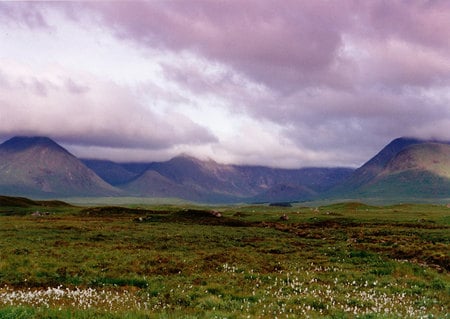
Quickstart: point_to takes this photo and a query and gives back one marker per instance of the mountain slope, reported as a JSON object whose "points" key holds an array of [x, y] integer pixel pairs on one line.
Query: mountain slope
{"points": [[432, 157], [189, 178], [111, 172], [37, 166], [202, 175], [153, 184], [377, 164], [418, 171], [405, 169]]}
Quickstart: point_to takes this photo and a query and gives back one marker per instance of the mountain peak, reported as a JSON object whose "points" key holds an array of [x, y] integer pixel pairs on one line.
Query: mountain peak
{"points": [[406, 168], [186, 158], [394, 147], [20, 143]]}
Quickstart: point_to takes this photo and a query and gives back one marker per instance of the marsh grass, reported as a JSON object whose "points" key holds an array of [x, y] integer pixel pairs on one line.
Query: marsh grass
{"points": [[337, 261]]}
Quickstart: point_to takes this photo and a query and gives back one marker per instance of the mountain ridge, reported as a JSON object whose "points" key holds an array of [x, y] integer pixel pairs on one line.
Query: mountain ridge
{"points": [[195, 179], [222, 181], [38, 166]]}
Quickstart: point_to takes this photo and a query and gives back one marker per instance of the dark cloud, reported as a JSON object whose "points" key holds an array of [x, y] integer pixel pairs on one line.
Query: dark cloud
{"points": [[340, 75], [295, 44], [283, 44], [426, 23]]}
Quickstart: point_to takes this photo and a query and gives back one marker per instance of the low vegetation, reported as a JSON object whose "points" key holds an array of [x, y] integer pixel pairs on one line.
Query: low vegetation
{"points": [[345, 260]]}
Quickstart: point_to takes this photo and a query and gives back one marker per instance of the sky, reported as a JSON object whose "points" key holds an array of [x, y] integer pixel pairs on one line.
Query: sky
{"points": [[277, 83]]}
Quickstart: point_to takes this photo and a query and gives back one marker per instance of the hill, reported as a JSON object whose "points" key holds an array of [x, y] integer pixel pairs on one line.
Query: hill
{"points": [[406, 169], [11, 201], [39, 167]]}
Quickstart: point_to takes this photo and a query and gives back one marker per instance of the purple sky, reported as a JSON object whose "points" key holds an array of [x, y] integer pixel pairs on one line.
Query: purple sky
{"points": [[279, 83]]}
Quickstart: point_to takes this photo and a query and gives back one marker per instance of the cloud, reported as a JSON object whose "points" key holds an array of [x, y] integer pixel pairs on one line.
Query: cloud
{"points": [[290, 44], [337, 76], [28, 15], [81, 109], [287, 83], [277, 44], [425, 23]]}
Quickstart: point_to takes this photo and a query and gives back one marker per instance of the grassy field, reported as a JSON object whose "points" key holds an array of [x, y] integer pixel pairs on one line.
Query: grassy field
{"points": [[338, 261]]}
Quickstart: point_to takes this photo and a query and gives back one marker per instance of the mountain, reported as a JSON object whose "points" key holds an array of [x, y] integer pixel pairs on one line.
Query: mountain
{"points": [[111, 172], [37, 166], [433, 157], [377, 164], [418, 171], [189, 178], [153, 184], [405, 169], [193, 179]]}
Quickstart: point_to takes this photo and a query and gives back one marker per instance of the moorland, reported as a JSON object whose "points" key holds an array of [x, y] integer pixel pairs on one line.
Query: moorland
{"points": [[345, 260]]}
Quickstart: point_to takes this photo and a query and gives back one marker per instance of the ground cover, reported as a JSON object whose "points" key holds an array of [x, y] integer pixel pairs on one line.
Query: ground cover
{"points": [[338, 261]]}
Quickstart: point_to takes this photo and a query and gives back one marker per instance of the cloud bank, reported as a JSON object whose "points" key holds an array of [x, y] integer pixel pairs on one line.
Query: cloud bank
{"points": [[296, 83]]}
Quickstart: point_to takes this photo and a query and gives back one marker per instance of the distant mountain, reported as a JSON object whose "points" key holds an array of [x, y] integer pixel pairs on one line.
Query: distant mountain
{"points": [[189, 178], [111, 172], [193, 179], [153, 184], [37, 166], [405, 169]]}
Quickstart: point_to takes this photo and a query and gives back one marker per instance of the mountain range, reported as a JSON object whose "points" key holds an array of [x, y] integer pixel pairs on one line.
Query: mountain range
{"points": [[208, 181], [406, 168]]}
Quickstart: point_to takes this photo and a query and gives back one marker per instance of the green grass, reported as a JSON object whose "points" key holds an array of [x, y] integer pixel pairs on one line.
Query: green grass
{"points": [[337, 261]]}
